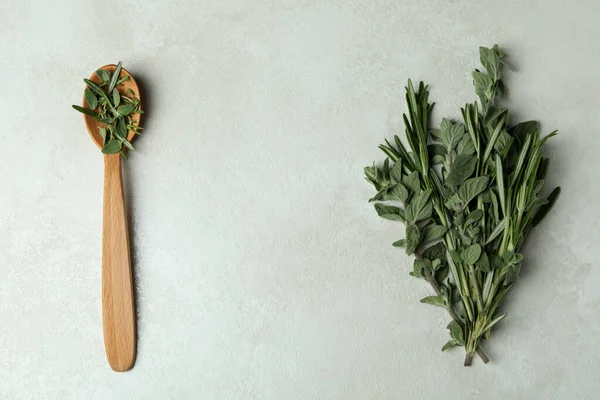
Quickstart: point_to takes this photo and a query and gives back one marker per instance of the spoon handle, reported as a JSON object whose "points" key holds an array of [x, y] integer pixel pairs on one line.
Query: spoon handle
{"points": [[117, 285]]}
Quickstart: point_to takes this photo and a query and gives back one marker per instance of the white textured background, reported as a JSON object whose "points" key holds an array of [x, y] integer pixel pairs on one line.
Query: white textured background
{"points": [[261, 270]]}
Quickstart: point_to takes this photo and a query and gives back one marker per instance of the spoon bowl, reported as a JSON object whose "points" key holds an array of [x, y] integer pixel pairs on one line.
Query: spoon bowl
{"points": [[91, 124]]}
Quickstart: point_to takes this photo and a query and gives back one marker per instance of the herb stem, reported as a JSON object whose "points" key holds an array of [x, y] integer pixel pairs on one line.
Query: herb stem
{"points": [[436, 288], [476, 289]]}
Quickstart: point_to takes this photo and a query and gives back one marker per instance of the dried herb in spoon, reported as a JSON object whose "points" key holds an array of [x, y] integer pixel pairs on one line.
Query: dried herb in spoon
{"points": [[116, 110], [469, 194]]}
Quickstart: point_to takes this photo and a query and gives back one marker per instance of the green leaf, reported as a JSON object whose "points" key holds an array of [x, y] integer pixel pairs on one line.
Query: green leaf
{"points": [[437, 251], [413, 238], [128, 144], [86, 111], [496, 262], [500, 182], [417, 270], [386, 169], [396, 172], [434, 300], [462, 168], [456, 332], [465, 146], [389, 212], [494, 322], [442, 273], [472, 187], [450, 134], [420, 207], [433, 232], [90, 99], [121, 131], [399, 243], [454, 202], [107, 121], [490, 61], [524, 129], [449, 344], [398, 192], [436, 150], [423, 265], [483, 84], [503, 143], [128, 109], [471, 254], [474, 216], [493, 113], [98, 90], [497, 231], [112, 147], [484, 263], [103, 75], [115, 78], [371, 175], [411, 182], [116, 98]]}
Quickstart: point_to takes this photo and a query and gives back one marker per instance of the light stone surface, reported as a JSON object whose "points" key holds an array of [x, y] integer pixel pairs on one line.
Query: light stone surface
{"points": [[261, 270]]}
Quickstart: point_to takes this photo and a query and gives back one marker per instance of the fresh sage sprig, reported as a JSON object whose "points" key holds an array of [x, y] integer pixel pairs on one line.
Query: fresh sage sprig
{"points": [[469, 194], [117, 111]]}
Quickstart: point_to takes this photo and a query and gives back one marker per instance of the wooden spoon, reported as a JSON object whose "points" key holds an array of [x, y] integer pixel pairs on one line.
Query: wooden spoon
{"points": [[117, 284]]}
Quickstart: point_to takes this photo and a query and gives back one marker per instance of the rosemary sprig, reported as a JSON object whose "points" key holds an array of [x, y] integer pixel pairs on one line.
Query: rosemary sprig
{"points": [[469, 195], [115, 110]]}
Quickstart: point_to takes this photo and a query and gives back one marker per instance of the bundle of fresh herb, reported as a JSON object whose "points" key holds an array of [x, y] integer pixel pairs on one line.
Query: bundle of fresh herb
{"points": [[113, 108], [469, 195]]}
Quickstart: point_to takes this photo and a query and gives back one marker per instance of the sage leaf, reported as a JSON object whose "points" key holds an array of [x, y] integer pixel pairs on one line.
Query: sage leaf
{"points": [[396, 172], [126, 109], [398, 192], [389, 212], [115, 78], [86, 111], [483, 84], [90, 99], [465, 147], [433, 232], [411, 182], [121, 131], [463, 168], [399, 243], [497, 230], [413, 238], [437, 251], [116, 98], [490, 61], [434, 300], [103, 75], [112, 147], [474, 216], [471, 254], [483, 264], [449, 344], [420, 207], [456, 332], [472, 187], [494, 322]]}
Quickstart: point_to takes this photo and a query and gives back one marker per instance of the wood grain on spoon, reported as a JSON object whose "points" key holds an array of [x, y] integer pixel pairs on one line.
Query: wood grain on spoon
{"points": [[118, 313]]}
